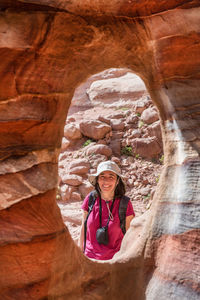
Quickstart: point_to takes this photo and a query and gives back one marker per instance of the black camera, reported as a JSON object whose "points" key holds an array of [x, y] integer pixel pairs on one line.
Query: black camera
{"points": [[102, 235]]}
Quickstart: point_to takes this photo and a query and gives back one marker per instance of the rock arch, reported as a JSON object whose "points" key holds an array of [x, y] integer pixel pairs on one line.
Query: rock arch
{"points": [[47, 49]]}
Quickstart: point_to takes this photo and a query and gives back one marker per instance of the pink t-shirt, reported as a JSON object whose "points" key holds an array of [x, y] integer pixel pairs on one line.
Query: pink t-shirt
{"points": [[93, 248]]}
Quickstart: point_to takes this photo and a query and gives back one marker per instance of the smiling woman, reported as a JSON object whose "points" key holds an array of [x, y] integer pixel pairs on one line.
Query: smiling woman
{"points": [[104, 213]]}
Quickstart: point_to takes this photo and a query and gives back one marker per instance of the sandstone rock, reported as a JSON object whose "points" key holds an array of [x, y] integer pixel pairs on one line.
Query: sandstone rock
{"points": [[133, 177], [102, 142], [116, 115], [116, 160], [155, 130], [136, 133], [27, 183], [47, 49], [149, 115], [95, 159], [141, 105], [94, 129], [79, 163], [12, 165], [80, 101], [75, 196], [70, 120], [146, 147], [117, 135], [103, 91], [79, 170], [104, 119], [99, 149], [145, 191], [115, 146], [130, 182], [66, 192], [145, 181], [85, 189], [65, 144], [71, 131], [136, 184], [132, 119], [63, 156], [117, 124], [73, 180]]}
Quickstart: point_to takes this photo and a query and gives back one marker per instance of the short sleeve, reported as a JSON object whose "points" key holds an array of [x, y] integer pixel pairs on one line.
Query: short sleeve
{"points": [[130, 211], [84, 206]]}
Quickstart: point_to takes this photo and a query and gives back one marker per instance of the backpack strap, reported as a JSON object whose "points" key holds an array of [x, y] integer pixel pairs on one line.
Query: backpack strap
{"points": [[122, 212], [91, 202]]}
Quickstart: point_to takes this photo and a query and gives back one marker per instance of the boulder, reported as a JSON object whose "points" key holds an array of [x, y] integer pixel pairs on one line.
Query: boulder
{"points": [[117, 124], [155, 130], [132, 119], [150, 115], [146, 147], [66, 191], [80, 170], [128, 86], [94, 129], [75, 197], [145, 191], [79, 163], [116, 115], [104, 119], [117, 135], [115, 146], [73, 180], [141, 105], [72, 131], [65, 144], [85, 189], [99, 149], [135, 133]]}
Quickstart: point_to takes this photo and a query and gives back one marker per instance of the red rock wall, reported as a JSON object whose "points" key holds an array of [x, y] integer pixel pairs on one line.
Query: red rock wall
{"points": [[47, 48]]}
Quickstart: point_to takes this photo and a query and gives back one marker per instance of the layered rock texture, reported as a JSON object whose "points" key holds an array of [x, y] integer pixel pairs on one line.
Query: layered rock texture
{"points": [[47, 49]]}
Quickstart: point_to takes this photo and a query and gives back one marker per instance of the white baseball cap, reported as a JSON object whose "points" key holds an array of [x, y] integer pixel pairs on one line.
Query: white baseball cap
{"points": [[105, 166]]}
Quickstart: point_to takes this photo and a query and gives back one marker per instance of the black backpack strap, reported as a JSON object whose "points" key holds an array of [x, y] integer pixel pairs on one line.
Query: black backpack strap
{"points": [[91, 202], [122, 212]]}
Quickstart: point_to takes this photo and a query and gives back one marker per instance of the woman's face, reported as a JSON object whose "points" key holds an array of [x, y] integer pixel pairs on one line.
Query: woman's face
{"points": [[107, 181]]}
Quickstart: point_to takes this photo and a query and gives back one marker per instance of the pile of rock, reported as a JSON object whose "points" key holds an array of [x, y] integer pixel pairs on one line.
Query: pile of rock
{"points": [[127, 137]]}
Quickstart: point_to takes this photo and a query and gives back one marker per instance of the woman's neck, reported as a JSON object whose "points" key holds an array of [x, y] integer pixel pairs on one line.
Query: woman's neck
{"points": [[107, 196]]}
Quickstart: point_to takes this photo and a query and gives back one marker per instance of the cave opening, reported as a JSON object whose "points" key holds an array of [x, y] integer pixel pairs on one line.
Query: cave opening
{"points": [[117, 98]]}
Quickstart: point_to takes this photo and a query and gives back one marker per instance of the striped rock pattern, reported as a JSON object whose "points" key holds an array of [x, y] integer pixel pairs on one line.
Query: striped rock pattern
{"points": [[47, 49]]}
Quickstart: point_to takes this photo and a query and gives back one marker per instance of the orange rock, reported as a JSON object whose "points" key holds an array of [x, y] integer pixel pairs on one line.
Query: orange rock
{"points": [[47, 49]]}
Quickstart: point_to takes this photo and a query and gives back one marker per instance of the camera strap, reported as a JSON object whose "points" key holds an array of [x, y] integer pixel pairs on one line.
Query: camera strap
{"points": [[100, 212]]}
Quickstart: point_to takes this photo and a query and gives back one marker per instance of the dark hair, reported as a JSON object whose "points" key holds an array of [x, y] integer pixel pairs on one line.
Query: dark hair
{"points": [[119, 190]]}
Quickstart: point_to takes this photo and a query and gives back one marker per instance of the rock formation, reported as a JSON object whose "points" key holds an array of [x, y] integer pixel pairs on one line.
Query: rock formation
{"points": [[47, 49]]}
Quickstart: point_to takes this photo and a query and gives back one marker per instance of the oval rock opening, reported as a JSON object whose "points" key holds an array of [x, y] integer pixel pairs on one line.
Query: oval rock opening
{"points": [[111, 117]]}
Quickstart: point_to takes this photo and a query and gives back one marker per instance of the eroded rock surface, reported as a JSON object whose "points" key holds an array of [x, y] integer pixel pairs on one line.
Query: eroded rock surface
{"points": [[47, 49]]}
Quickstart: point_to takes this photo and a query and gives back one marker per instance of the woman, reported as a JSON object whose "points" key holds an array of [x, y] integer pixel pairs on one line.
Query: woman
{"points": [[110, 189]]}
